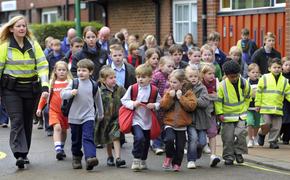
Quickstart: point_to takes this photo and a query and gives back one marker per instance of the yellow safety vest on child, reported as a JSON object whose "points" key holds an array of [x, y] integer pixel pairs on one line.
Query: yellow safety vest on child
{"points": [[228, 104]]}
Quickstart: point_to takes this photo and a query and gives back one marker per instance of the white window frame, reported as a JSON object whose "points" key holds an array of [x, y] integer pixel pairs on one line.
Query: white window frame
{"points": [[190, 21], [49, 12], [231, 7]]}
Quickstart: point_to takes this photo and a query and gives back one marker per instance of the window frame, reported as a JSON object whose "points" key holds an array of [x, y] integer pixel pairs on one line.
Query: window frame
{"points": [[274, 5], [49, 12], [190, 20]]}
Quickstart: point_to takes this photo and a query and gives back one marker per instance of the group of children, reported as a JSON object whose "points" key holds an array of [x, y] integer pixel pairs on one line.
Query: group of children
{"points": [[192, 97]]}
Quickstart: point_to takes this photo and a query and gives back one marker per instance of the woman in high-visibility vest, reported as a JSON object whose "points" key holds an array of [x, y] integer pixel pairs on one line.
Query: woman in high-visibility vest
{"points": [[24, 75]]}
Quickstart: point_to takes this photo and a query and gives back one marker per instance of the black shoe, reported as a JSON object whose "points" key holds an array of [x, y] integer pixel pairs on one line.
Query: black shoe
{"points": [[229, 162], [91, 163], [26, 160], [274, 145], [77, 162], [59, 156], [239, 158], [99, 146], [261, 139], [35, 121], [49, 133], [120, 163], [286, 142], [40, 126], [110, 161], [20, 163], [4, 125]]}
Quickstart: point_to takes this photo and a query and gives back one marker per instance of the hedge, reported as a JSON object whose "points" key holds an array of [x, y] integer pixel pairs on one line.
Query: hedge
{"points": [[57, 30]]}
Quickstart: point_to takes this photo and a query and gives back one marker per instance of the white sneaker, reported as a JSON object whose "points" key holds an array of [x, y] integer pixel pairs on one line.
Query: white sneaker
{"points": [[191, 165], [214, 160], [158, 151], [250, 143], [256, 141], [206, 149], [143, 165], [136, 164]]}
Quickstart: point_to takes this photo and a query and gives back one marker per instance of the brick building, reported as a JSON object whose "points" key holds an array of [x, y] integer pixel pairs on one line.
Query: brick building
{"points": [[178, 17]]}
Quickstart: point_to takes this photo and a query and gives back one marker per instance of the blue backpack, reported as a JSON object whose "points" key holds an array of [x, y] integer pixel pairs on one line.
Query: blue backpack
{"points": [[66, 103]]}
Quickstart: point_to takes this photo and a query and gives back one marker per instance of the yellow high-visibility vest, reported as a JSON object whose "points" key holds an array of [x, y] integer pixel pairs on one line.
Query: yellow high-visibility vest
{"points": [[270, 95], [228, 104], [21, 65]]}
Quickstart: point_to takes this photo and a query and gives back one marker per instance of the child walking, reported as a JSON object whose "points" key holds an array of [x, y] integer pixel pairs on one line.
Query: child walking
{"points": [[234, 94], [82, 115], [59, 80], [142, 115], [177, 104], [273, 87], [196, 131], [107, 130], [211, 82], [253, 117], [160, 80]]}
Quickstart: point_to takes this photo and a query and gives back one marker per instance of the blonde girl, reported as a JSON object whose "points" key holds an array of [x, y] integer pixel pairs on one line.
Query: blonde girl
{"points": [[207, 56], [152, 56], [210, 82], [107, 130], [59, 80], [177, 104]]}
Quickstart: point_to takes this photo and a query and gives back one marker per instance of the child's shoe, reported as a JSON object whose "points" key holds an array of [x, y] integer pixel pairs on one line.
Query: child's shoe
{"points": [[60, 155], [110, 161], [214, 160], [120, 163], [20, 163], [136, 165], [256, 141], [91, 163], [274, 145], [261, 139], [206, 149], [191, 165], [143, 165], [239, 158], [158, 151], [167, 163], [250, 143], [77, 162], [176, 168]]}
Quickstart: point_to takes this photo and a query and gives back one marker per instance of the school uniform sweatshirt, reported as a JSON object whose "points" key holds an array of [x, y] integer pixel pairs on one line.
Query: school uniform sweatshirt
{"points": [[84, 103]]}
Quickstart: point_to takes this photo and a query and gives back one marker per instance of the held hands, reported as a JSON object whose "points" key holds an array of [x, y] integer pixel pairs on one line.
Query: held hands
{"points": [[38, 113], [74, 92], [178, 94], [150, 106], [221, 118], [44, 95], [136, 104], [258, 109]]}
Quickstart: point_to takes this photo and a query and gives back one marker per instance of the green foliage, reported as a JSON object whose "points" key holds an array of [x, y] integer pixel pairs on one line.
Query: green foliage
{"points": [[57, 30]]}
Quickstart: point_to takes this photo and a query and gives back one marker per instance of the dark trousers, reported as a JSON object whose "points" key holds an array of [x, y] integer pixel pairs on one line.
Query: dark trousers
{"points": [[285, 132], [3, 115], [46, 119], [83, 135], [174, 145], [141, 142], [20, 106]]}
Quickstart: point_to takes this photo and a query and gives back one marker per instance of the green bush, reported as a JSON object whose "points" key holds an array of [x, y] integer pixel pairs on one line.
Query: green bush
{"points": [[57, 30]]}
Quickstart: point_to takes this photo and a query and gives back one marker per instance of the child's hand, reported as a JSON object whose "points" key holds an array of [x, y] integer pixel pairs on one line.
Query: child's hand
{"points": [[258, 109], [150, 106], [214, 94], [172, 93], [38, 113], [178, 93], [74, 92], [44, 95], [136, 104], [221, 118]]}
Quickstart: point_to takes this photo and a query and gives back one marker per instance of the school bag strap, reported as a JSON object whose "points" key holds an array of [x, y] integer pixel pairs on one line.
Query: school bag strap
{"points": [[66, 103], [153, 93]]}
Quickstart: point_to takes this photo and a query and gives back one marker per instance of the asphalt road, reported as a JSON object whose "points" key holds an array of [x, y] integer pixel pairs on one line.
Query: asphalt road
{"points": [[44, 166]]}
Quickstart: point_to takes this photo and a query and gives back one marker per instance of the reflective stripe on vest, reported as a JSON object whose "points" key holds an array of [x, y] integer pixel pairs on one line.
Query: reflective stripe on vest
{"points": [[235, 116], [226, 91], [271, 108], [227, 103], [274, 91]]}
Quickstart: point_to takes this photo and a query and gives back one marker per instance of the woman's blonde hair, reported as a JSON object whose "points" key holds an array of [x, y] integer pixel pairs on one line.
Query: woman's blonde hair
{"points": [[53, 74], [206, 67], [5, 29], [105, 72]]}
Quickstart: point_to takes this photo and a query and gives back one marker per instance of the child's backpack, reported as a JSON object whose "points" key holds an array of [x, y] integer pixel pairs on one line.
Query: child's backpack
{"points": [[126, 115], [66, 103]]}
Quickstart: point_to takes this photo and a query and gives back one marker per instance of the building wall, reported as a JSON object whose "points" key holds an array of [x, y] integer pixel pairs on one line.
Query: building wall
{"points": [[287, 44]]}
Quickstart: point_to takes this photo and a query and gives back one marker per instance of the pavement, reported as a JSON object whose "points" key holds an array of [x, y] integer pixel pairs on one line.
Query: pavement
{"points": [[274, 158]]}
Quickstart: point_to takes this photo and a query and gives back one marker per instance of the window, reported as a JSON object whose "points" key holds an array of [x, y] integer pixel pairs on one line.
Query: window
{"points": [[49, 16], [184, 19], [248, 4]]}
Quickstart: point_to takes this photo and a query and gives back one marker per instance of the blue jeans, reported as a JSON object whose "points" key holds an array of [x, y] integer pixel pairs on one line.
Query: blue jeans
{"points": [[3, 115], [196, 142], [141, 142], [83, 135], [158, 143]]}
